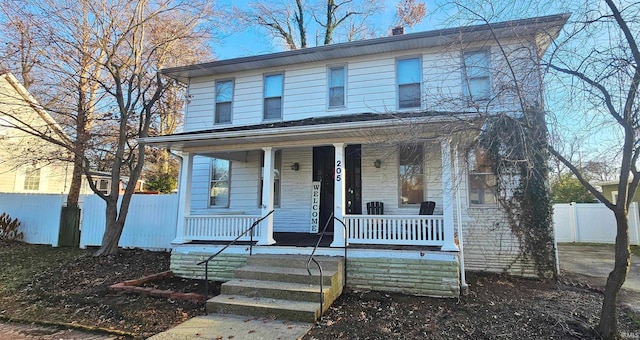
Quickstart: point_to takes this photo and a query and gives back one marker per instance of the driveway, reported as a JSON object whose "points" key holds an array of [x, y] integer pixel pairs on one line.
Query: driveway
{"points": [[595, 262]]}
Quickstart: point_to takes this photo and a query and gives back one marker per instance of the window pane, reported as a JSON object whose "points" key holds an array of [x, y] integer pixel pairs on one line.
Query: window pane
{"points": [[336, 96], [219, 194], [224, 91], [479, 88], [32, 179], [409, 71], [273, 86], [272, 108], [223, 112], [336, 77], [220, 170], [411, 174], [482, 189], [477, 64], [409, 95]]}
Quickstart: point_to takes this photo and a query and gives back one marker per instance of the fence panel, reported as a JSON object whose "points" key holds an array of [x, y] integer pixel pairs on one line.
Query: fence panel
{"points": [[150, 224], [39, 215], [591, 223]]}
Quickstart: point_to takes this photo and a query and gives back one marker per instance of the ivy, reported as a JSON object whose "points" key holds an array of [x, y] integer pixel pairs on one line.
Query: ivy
{"points": [[516, 149]]}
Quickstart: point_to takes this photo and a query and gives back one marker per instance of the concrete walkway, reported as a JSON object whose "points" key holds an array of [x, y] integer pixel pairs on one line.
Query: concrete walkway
{"points": [[219, 326]]}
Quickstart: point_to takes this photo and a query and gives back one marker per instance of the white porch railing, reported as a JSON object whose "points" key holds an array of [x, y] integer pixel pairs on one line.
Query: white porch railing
{"points": [[425, 230], [219, 227]]}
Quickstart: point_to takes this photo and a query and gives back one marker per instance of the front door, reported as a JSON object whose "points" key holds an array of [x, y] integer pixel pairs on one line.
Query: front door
{"points": [[323, 158]]}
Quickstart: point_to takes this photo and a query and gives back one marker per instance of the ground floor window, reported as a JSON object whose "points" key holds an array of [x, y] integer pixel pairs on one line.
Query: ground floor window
{"points": [[219, 194], [482, 181], [277, 166], [411, 170]]}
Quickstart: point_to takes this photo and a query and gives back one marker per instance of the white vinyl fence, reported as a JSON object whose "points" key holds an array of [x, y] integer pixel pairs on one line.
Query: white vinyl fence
{"points": [[39, 215], [150, 223], [591, 223]]}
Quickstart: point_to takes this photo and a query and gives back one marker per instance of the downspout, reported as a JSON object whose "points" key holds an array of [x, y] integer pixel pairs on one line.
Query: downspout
{"points": [[464, 287]]}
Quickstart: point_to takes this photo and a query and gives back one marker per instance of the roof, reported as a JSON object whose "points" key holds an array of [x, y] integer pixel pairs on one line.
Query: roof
{"points": [[544, 28]]}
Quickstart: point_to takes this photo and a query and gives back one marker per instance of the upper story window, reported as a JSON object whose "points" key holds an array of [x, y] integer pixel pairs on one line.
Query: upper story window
{"points": [[219, 194], [409, 79], [411, 174], [273, 87], [477, 81], [224, 99], [32, 179], [482, 180], [336, 86]]}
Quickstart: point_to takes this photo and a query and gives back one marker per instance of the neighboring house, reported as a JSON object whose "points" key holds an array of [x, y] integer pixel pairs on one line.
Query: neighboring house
{"points": [[28, 164], [326, 130], [610, 190]]}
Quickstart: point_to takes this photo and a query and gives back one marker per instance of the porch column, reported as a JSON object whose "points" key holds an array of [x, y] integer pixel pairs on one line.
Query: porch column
{"points": [[266, 226], [447, 197], [184, 196], [338, 195]]}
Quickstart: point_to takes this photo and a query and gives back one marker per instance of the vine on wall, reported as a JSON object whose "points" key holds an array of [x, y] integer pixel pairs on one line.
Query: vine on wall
{"points": [[516, 151]]}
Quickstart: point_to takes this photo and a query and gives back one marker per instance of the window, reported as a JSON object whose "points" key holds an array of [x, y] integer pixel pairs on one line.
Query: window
{"points": [[224, 98], [219, 196], [409, 74], [411, 174], [336, 86], [277, 166], [477, 84], [32, 179], [103, 185], [273, 96], [482, 181]]}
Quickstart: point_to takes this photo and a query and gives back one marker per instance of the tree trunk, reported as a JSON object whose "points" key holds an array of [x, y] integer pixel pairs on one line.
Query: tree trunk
{"points": [[608, 326], [113, 229], [76, 182]]}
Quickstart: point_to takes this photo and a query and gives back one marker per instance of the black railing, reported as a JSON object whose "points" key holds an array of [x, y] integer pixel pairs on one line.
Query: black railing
{"points": [[206, 262], [312, 259]]}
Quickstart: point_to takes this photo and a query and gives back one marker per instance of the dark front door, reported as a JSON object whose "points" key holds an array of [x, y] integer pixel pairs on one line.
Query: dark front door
{"points": [[323, 157], [353, 179]]}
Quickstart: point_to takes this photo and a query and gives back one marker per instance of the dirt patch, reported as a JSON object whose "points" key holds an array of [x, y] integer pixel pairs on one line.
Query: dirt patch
{"points": [[66, 285]]}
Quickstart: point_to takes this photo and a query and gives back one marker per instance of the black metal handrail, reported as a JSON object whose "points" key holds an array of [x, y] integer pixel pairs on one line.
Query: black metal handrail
{"points": [[313, 252], [206, 262]]}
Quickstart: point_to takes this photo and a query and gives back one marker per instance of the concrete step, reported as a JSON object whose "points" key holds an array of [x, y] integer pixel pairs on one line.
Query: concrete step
{"points": [[275, 290], [264, 307], [283, 274], [296, 261]]}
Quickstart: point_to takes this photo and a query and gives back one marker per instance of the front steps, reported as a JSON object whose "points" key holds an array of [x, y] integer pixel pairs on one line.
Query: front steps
{"points": [[279, 286]]}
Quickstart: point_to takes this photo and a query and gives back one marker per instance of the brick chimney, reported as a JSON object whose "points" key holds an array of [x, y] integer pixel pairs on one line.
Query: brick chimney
{"points": [[398, 30]]}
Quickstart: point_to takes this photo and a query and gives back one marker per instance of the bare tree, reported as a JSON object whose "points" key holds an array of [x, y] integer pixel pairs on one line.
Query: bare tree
{"points": [[594, 68], [410, 12]]}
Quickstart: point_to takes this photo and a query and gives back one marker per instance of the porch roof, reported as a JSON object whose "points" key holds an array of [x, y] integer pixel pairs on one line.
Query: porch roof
{"points": [[309, 130]]}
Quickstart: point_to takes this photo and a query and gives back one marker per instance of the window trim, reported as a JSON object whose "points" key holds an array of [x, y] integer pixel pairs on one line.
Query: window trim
{"points": [[264, 96], [465, 81], [421, 71], [344, 87], [209, 206], [215, 106], [424, 176], [27, 171]]}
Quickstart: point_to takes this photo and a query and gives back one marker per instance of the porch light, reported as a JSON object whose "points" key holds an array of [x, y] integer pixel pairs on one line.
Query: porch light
{"points": [[377, 163], [295, 166]]}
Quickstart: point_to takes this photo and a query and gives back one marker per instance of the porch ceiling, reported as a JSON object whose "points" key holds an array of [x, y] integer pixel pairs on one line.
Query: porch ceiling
{"points": [[379, 129]]}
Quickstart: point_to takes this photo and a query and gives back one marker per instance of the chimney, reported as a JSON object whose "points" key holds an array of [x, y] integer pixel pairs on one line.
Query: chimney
{"points": [[398, 30]]}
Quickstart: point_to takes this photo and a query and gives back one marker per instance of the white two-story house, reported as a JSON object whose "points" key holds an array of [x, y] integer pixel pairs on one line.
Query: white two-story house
{"points": [[366, 132]]}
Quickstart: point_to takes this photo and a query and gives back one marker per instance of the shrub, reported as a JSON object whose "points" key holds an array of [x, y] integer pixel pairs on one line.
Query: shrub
{"points": [[9, 228]]}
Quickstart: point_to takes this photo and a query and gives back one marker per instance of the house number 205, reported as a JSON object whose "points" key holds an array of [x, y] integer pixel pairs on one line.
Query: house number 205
{"points": [[338, 171]]}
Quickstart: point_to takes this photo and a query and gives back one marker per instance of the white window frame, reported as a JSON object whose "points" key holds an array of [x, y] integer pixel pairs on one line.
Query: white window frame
{"points": [[418, 82], [467, 80], [27, 185], [216, 119], [422, 174], [265, 97], [344, 86], [211, 181], [277, 179]]}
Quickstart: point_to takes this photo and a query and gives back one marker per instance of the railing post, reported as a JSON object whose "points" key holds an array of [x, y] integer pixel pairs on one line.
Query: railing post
{"points": [[184, 197], [266, 233], [338, 194], [447, 197]]}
